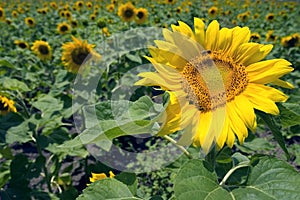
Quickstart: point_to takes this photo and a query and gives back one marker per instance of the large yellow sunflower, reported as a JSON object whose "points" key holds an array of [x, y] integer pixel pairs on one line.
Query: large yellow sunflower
{"points": [[215, 79], [126, 12], [6, 105], [76, 53], [42, 49]]}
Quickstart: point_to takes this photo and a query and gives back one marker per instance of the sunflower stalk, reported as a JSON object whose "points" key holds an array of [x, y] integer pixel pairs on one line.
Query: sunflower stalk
{"points": [[178, 146]]}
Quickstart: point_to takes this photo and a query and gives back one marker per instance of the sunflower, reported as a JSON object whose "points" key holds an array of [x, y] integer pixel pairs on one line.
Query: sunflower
{"points": [[96, 177], [243, 16], [89, 5], [74, 23], [8, 21], [141, 15], [68, 14], [21, 44], [213, 11], [75, 53], [14, 14], [2, 13], [110, 7], [53, 5], [63, 28], [270, 17], [178, 10], [105, 31], [170, 1], [29, 21], [79, 4], [270, 37], [255, 37], [92, 17], [42, 49], [215, 79], [126, 12], [291, 41], [6, 105]]}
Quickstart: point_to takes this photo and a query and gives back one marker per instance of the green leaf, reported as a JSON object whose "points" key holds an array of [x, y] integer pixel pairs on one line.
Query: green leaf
{"points": [[14, 84], [194, 181], [289, 114], [18, 133], [134, 58], [4, 172], [275, 131], [48, 104], [7, 64], [105, 189], [270, 179]]}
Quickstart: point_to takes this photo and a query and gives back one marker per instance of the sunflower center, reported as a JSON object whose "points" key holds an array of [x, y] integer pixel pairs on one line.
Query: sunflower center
{"points": [[79, 55], [43, 50], [2, 107], [22, 45], [1, 13], [128, 13], [30, 21], [64, 28], [211, 79], [140, 15]]}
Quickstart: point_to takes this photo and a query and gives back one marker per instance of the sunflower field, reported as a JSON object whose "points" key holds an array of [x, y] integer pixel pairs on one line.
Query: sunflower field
{"points": [[157, 99]]}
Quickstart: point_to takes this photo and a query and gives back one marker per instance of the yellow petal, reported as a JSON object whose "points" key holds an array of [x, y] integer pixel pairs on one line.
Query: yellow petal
{"points": [[199, 31], [245, 111], [283, 84], [268, 71], [212, 35]]}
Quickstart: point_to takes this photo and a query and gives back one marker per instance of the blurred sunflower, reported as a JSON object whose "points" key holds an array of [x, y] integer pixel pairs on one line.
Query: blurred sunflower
{"points": [[8, 21], [96, 176], [255, 37], [105, 31], [213, 11], [21, 44], [74, 23], [243, 16], [75, 53], [6, 105], [270, 37], [126, 12], [89, 5], [92, 17], [110, 7], [42, 49], [270, 17], [141, 15], [53, 5], [14, 14], [170, 1], [291, 41], [215, 79], [178, 10], [63, 28], [255, 16], [29, 21], [79, 4], [2, 14], [68, 14]]}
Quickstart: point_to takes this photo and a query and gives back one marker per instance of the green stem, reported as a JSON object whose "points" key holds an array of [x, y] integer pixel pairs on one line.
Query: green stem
{"points": [[178, 146], [230, 172]]}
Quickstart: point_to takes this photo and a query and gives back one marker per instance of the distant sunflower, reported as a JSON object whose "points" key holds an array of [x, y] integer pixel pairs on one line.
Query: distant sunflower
{"points": [[170, 1], [110, 7], [21, 44], [255, 16], [8, 21], [255, 37], [126, 12], [29, 21], [270, 37], [270, 17], [74, 23], [243, 16], [53, 5], [178, 10], [14, 14], [215, 79], [6, 105], [79, 4], [92, 16], [75, 53], [68, 14], [2, 13], [291, 41], [105, 31], [89, 5], [42, 49], [63, 28], [213, 11], [141, 15]]}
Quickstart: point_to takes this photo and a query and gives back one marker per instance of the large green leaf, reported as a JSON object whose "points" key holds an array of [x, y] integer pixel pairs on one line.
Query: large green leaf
{"points": [[48, 104], [194, 181], [14, 84], [270, 179], [106, 189]]}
